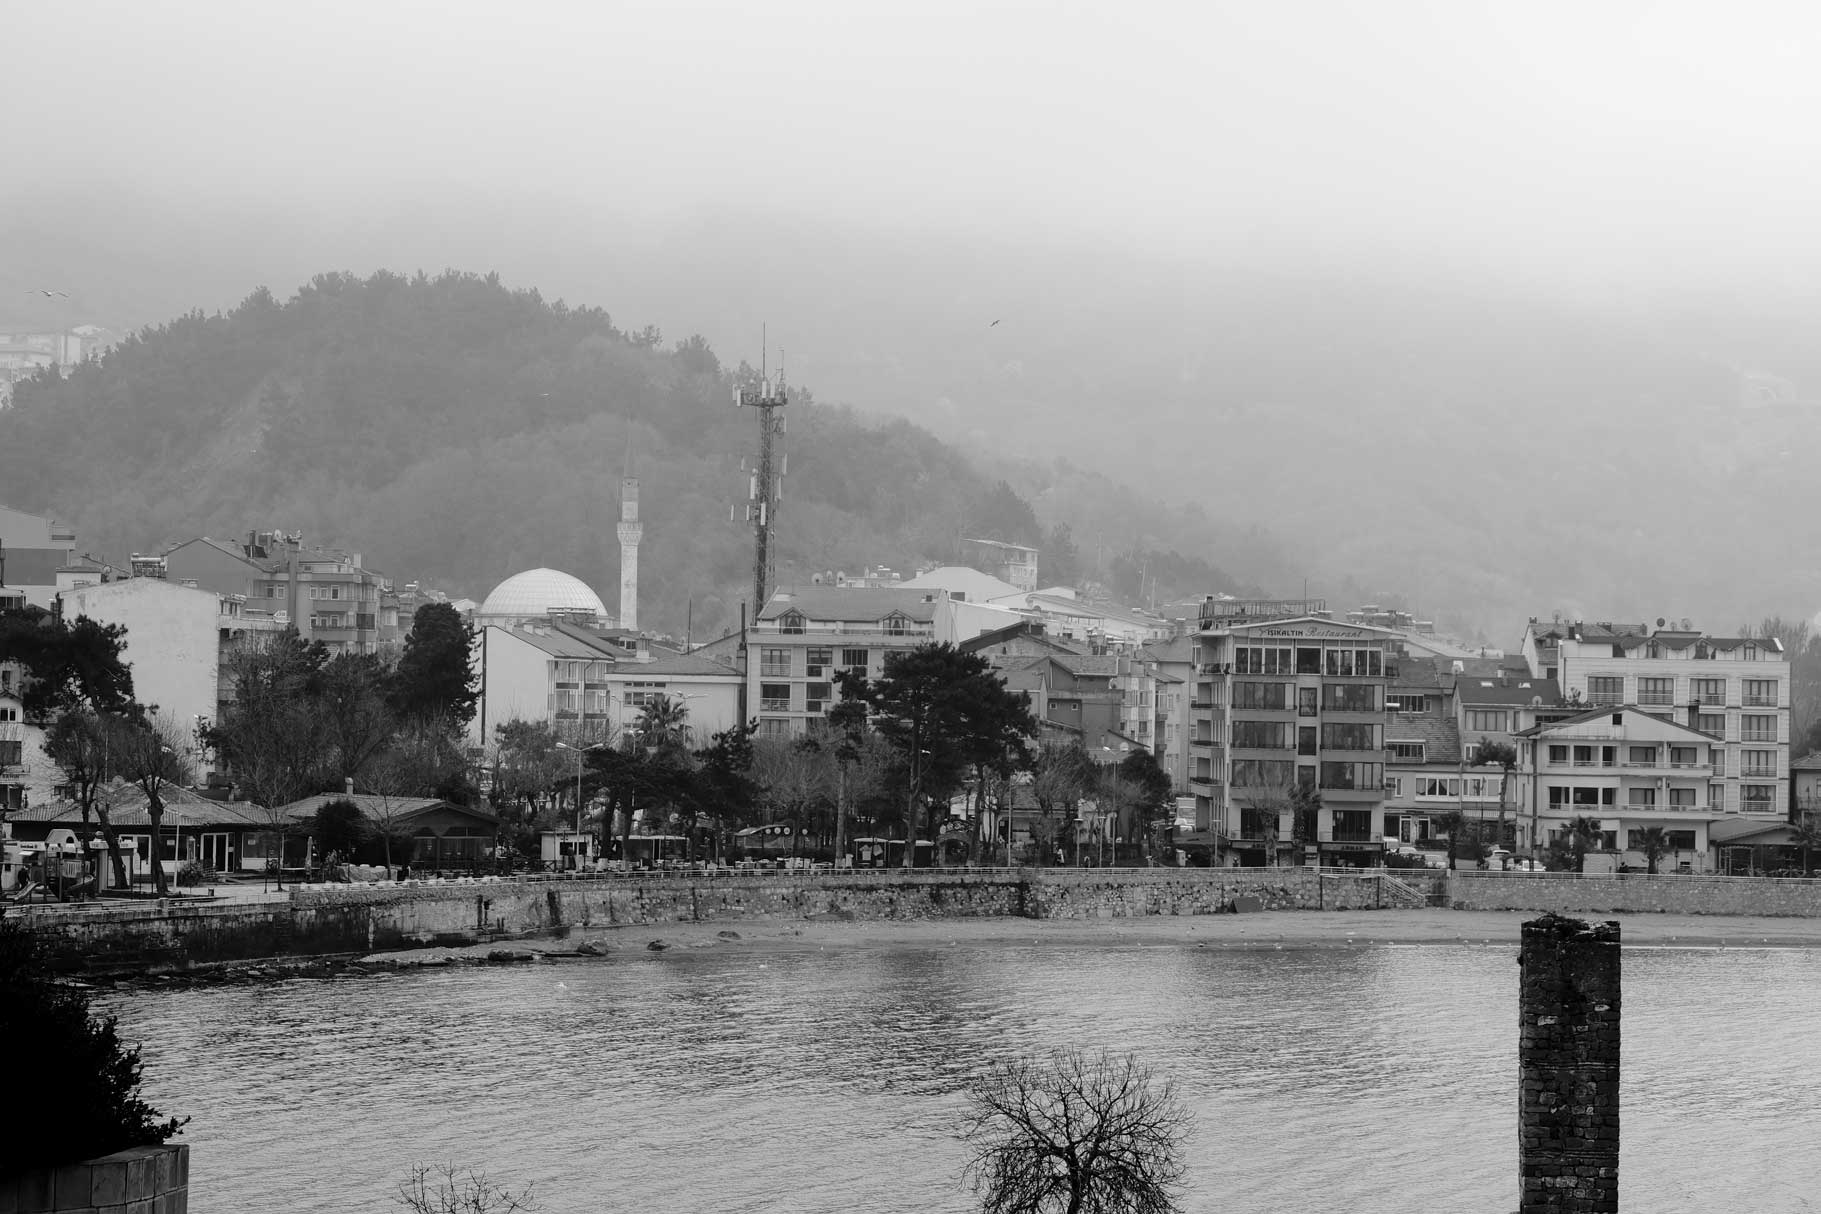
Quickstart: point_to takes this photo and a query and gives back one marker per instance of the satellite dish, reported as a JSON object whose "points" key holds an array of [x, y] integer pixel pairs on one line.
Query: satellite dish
{"points": [[1688, 625], [1661, 621], [281, 617]]}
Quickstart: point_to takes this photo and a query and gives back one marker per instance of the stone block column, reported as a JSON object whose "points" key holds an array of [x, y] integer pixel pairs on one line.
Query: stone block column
{"points": [[1568, 1067]]}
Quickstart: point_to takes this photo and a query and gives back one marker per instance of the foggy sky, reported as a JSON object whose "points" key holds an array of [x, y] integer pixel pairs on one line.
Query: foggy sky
{"points": [[1599, 144]]}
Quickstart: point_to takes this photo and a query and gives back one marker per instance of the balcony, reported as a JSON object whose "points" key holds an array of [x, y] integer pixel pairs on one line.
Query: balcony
{"points": [[1602, 699], [1656, 699], [774, 670], [1761, 702], [780, 705], [1709, 699]]}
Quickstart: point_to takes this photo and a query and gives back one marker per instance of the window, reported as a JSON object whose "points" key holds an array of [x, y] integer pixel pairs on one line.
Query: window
{"points": [[1656, 691], [1583, 756], [1758, 763], [1352, 825], [1683, 756], [1404, 752], [9, 714], [1263, 773], [335, 592], [1642, 798], [1642, 756], [1411, 705], [1707, 691], [1355, 663], [1262, 735], [1758, 798], [854, 659], [1558, 796], [774, 663], [1485, 720], [1308, 661], [12, 753], [773, 727], [1263, 659], [1716, 797], [1349, 737], [819, 661], [1606, 689], [895, 626], [1305, 740], [1719, 754], [1353, 775], [1558, 754], [1471, 752], [1394, 786], [1349, 697], [816, 697], [1682, 798], [774, 697], [1257, 823], [1307, 699], [790, 621], [1712, 724], [1438, 786], [1757, 727], [1260, 695], [1760, 693]]}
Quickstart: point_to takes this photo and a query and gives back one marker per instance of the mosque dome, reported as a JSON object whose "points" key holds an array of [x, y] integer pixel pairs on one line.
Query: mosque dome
{"points": [[539, 593]]}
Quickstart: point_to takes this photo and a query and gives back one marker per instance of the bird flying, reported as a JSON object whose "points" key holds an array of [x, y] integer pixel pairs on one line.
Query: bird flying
{"points": [[994, 323], [48, 294]]}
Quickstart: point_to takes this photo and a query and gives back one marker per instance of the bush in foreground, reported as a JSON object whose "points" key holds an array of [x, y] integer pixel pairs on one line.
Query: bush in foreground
{"points": [[72, 1061]]}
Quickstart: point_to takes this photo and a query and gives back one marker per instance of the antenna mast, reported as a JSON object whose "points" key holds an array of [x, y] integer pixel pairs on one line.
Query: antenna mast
{"points": [[767, 485]]}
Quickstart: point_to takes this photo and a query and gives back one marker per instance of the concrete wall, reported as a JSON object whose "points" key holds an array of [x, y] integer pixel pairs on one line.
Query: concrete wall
{"points": [[172, 642], [363, 918], [143, 1180], [1567, 893]]}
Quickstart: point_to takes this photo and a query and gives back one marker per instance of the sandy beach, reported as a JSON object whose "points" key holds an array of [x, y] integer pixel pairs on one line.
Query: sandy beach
{"points": [[1270, 929]]}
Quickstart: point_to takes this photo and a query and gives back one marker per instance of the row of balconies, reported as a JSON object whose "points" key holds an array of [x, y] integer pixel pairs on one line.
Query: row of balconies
{"points": [[1664, 699]]}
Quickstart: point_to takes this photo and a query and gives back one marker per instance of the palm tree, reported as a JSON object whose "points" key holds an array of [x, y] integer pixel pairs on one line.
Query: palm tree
{"points": [[664, 725], [1584, 832], [1653, 841]]}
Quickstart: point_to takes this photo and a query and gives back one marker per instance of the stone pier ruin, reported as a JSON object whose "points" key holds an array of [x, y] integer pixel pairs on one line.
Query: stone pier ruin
{"points": [[1568, 1067]]}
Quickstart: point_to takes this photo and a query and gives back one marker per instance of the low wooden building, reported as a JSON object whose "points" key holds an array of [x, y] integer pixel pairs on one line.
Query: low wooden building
{"points": [[442, 834]]}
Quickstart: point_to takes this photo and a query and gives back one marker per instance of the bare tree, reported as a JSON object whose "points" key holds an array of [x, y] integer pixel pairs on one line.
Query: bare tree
{"points": [[1075, 1134], [151, 756], [80, 743], [452, 1190]]}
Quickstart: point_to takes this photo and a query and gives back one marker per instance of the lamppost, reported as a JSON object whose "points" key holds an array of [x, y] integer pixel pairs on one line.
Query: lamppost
{"points": [[578, 751]]}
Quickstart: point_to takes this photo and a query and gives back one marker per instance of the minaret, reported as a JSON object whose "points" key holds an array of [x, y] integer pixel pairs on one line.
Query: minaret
{"points": [[630, 530]]}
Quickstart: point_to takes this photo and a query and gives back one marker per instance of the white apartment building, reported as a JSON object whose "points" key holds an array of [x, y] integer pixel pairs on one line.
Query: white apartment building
{"points": [[1628, 770], [1733, 690]]}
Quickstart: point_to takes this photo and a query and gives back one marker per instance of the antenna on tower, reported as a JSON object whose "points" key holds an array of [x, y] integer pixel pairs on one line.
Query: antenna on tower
{"points": [[765, 482]]}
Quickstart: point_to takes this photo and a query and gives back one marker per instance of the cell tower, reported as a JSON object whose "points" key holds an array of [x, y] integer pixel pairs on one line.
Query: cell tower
{"points": [[767, 483]]}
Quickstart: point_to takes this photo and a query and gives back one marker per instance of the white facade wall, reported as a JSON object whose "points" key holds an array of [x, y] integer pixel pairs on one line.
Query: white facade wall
{"points": [[515, 683], [172, 642]]}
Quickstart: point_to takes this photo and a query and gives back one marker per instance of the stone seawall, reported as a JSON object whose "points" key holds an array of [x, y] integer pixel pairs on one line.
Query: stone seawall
{"points": [[1635, 893], [328, 919]]}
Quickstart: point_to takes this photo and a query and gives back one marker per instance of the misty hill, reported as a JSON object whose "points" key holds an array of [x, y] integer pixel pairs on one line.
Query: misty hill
{"points": [[456, 431]]}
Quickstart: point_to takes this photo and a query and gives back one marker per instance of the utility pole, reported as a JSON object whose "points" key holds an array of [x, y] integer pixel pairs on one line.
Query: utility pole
{"points": [[767, 479]]}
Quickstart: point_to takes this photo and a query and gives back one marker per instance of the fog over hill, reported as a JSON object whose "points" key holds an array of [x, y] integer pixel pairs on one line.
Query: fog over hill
{"points": [[1493, 313]]}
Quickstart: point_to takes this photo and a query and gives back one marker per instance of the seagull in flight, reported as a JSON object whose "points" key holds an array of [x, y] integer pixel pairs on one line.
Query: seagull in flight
{"points": [[49, 294], [994, 323]]}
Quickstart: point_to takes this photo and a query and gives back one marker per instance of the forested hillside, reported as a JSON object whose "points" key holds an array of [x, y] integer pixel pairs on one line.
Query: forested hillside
{"points": [[456, 431]]}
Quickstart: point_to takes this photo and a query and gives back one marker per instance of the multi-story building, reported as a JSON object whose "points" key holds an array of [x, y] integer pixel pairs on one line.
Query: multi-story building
{"points": [[805, 634], [1734, 690], [1440, 716], [327, 594], [1627, 770], [1281, 705]]}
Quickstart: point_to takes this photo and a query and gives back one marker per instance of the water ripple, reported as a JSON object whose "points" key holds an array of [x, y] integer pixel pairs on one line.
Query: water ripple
{"points": [[1341, 1080]]}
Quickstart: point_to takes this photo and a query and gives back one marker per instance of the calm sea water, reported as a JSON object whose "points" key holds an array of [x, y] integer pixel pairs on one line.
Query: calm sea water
{"points": [[1349, 1080]]}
